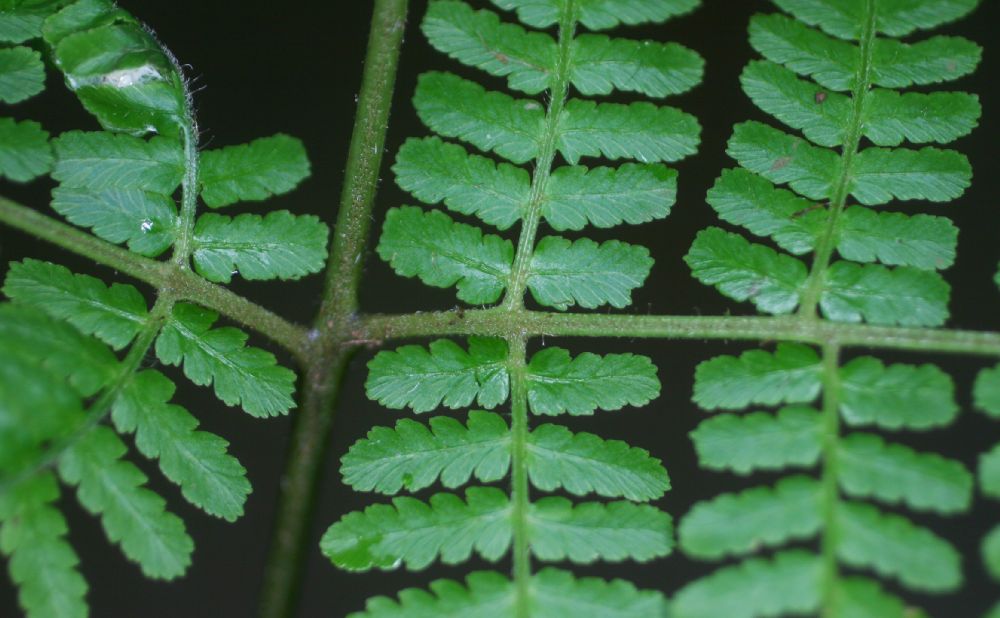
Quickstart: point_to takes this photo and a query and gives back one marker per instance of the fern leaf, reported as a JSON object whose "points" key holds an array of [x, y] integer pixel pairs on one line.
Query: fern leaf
{"points": [[910, 396], [787, 584], [582, 463], [745, 199], [22, 74], [919, 117], [25, 153], [455, 107], [790, 375], [582, 272], [762, 516], [857, 597], [146, 221], [23, 21], [443, 374], [832, 63], [879, 295], [443, 253], [845, 19], [746, 271], [100, 161], [80, 15], [641, 131], [435, 171], [240, 375], [412, 456], [416, 533], [937, 59], [893, 546], [558, 384], [785, 159], [599, 14], [480, 39], [132, 515], [583, 533], [209, 477], [42, 563], [82, 361], [252, 172], [869, 467], [986, 392], [933, 174], [485, 594], [279, 245], [633, 193], [602, 65], [989, 472], [922, 241], [113, 314], [991, 554], [759, 441]]}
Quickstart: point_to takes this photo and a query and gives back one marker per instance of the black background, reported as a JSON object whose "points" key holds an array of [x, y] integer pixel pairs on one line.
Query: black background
{"points": [[263, 67]]}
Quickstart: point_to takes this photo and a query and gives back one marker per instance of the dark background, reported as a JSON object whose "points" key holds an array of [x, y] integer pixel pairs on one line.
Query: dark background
{"points": [[262, 67]]}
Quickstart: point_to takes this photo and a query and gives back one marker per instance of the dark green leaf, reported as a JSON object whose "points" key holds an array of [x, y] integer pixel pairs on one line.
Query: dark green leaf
{"points": [[252, 172]]}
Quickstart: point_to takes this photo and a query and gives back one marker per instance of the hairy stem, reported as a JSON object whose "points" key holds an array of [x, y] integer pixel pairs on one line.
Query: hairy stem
{"points": [[831, 490], [828, 241], [331, 344], [520, 491]]}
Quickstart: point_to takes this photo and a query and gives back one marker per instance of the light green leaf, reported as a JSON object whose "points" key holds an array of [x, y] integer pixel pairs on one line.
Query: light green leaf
{"points": [[989, 472], [744, 198], [101, 160], [639, 131], [879, 295], [602, 64], [792, 374], [582, 272], [146, 221], [42, 563], [582, 463], [113, 314], [921, 241], [759, 441], [938, 59], [846, 18], [412, 457], [897, 396], [599, 14], [558, 384], [867, 466], [415, 533], [21, 20], [744, 271], [443, 374], [860, 598], [986, 392], [240, 375], [890, 117], [435, 171], [485, 594], [822, 116], [583, 533], [831, 62], [210, 478], [991, 556], [279, 245], [790, 583], [252, 172], [132, 515], [880, 175], [480, 39], [760, 517], [25, 153], [81, 15], [22, 74], [605, 196], [784, 158], [444, 253], [895, 547], [455, 107]]}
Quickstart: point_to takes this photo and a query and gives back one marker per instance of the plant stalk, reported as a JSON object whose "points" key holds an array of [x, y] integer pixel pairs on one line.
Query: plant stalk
{"points": [[330, 344]]}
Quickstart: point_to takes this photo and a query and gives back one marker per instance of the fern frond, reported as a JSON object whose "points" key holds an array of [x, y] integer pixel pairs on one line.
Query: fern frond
{"points": [[22, 74], [559, 384], [633, 193], [25, 153], [897, 396], [240, 375], [790, 375], [100, 161], [760, 441], [252, 172], [146, 221], [582, 272]]}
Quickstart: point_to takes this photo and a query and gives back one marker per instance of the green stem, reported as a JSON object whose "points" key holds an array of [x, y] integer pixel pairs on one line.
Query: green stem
{"points": [[373, 329], [838, 200], [331, 344], [543, 165], [831, 490], [520, 490], [182, 284]]}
